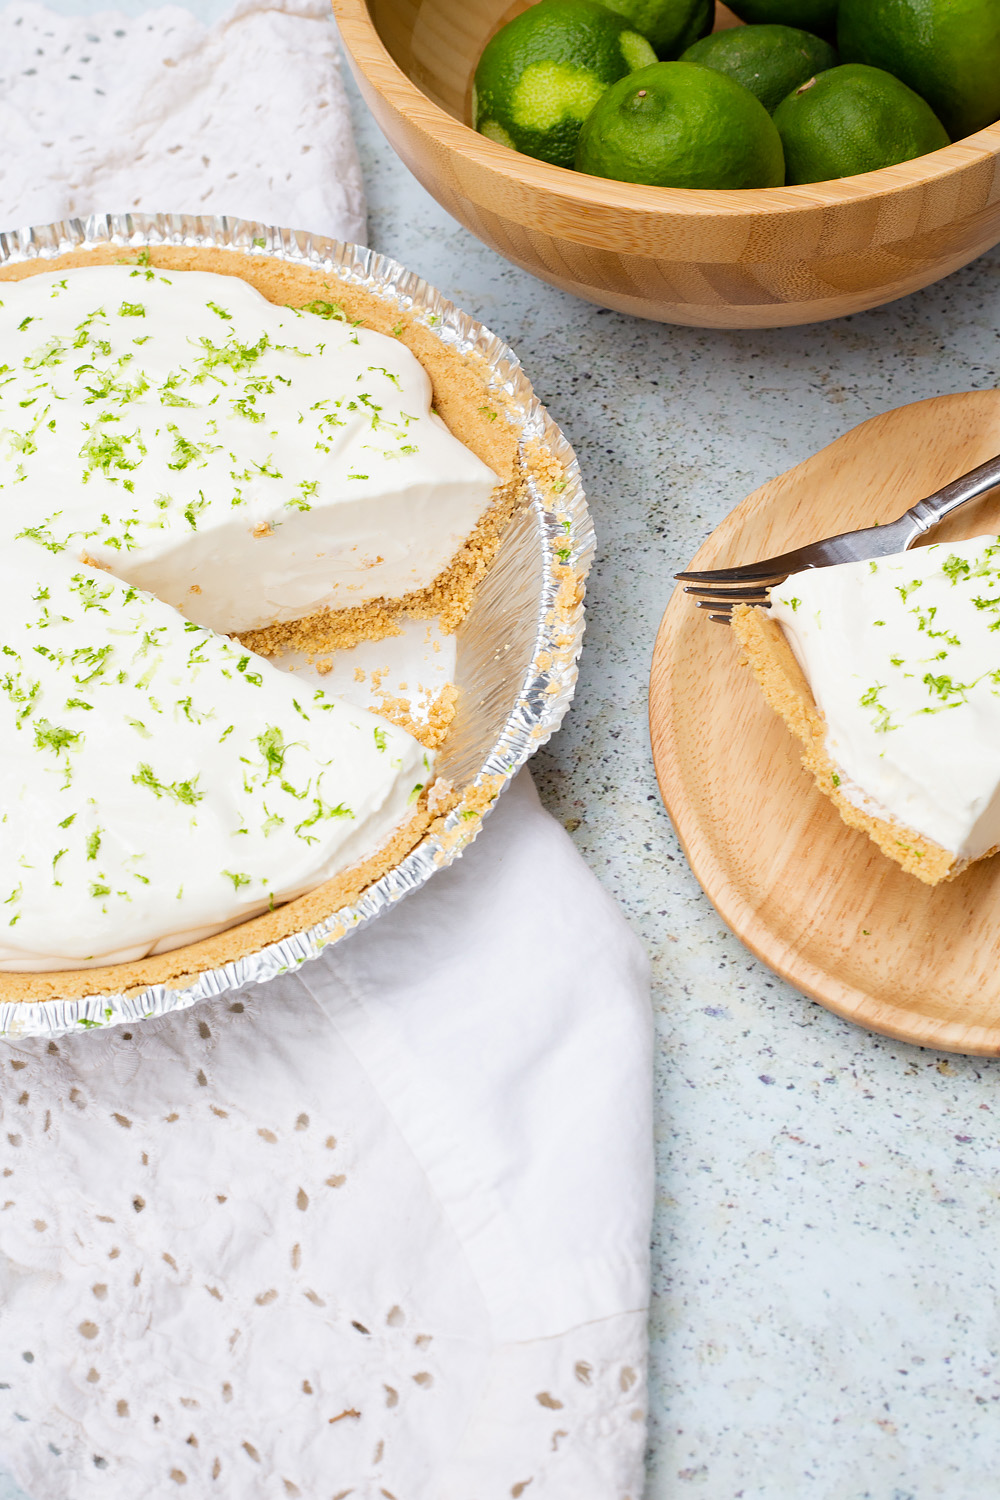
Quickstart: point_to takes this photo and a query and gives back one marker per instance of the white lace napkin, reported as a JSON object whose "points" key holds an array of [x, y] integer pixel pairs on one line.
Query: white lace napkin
{"points": [[105, 113], [378, 1229]]}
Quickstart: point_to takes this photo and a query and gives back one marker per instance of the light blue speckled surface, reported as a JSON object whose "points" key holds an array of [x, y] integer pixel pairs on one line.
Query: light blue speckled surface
{"points": [[825, 1289]]}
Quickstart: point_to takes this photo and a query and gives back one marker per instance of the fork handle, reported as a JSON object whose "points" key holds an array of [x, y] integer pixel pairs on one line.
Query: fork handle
{"points": [[928, 512]]}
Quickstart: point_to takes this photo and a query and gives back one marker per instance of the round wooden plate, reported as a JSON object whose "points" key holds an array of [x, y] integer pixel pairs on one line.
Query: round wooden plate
{"points": [[812, 898]]}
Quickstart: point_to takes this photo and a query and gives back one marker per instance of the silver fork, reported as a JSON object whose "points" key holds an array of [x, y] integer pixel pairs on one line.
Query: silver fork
{"points": [[723, 588]]}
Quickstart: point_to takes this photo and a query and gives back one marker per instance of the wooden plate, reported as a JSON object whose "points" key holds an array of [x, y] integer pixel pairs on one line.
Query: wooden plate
{"points": [[812, 898]]}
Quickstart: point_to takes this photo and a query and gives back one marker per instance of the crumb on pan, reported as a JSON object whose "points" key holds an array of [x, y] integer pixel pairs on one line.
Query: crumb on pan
{"points": [[432, 731]]}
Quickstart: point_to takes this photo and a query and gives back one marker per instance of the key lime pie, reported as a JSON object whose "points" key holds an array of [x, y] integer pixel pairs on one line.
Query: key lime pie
{"points": [[888, 672], [201, 469]]}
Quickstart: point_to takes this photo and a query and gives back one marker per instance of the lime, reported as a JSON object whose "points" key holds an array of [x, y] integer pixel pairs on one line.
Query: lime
{"points": [[541, 75], [817, 16], [671, 25], [770, 61], [948, 50], [680, 125], [853, 119]]}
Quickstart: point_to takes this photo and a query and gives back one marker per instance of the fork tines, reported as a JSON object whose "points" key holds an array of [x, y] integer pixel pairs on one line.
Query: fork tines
{"points": [[720, 589], [751, 594], [723, 600]]}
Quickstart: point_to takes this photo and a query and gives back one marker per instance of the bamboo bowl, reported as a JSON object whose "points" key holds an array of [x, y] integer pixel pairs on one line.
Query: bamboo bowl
{"points": [[764, 258]]}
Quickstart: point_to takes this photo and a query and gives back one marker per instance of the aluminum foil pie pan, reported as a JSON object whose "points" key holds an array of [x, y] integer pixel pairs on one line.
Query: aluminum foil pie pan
{"points": [[517, 650]]}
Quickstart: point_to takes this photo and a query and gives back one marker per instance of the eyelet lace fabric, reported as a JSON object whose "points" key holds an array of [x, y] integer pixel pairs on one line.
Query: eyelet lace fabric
{"points": [[159, 112], [374, 1230]]}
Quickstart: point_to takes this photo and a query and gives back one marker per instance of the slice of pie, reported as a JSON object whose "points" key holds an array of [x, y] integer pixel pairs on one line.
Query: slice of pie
{"points": [[250, 464], [888, 672], [159, 781]]}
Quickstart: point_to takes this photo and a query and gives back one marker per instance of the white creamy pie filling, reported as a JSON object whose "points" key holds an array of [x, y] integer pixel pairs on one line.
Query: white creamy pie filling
{"points": [[902, 654], [245, 464]]}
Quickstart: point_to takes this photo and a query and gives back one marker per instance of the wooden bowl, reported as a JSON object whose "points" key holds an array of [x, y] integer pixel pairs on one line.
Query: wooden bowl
{"points": [[760, 258]]}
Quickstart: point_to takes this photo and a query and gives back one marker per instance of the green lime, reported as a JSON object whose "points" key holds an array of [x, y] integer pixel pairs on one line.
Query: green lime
{"points": [[853, 119], [948, 50], [541, 75], [817, 16], [671, 25], [680, 125], [770, 61]]}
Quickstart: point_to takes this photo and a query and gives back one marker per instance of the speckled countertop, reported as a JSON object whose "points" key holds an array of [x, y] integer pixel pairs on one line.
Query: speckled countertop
{"points": [[825, 1321], [825, 1317]]}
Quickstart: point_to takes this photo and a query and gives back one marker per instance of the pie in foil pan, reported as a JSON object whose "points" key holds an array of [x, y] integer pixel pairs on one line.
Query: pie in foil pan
{"points": [[516, 650]]}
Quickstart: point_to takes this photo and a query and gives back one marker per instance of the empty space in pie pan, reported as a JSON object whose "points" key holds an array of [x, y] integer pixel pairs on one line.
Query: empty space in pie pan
{"points": [[516, 650]]}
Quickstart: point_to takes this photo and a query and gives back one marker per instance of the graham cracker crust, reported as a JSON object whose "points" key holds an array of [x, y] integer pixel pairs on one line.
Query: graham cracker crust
{"points": [[479, 417], [771, 660]]}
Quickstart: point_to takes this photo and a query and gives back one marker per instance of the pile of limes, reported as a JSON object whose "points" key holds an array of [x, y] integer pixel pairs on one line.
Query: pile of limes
{"points": [[805, 91]]}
